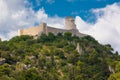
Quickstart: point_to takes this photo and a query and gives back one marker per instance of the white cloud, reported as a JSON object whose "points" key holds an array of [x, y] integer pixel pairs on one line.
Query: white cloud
{"points": [[81, 24], [15, 15], [107, 27]]}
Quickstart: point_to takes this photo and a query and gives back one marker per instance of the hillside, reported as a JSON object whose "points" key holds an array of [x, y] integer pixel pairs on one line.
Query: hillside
{"points": [[57, 57]]}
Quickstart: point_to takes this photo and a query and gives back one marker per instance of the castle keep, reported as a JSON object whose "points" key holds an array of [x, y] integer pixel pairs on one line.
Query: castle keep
{"points": [[44, 28]]}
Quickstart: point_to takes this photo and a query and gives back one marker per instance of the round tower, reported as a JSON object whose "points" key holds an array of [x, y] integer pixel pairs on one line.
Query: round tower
{"points": [[70, 23]]}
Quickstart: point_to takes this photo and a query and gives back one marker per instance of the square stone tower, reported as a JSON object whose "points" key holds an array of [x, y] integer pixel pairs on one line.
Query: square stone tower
{"points": [[70, 23]]}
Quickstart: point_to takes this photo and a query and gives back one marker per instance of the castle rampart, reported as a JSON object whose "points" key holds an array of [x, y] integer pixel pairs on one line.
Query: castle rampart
{"points": [[33, 31], [55, 30], [43, 28]]}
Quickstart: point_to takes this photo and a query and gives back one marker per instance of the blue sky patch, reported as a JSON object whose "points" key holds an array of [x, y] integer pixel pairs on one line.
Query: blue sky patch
{"points": [[73, 8]]}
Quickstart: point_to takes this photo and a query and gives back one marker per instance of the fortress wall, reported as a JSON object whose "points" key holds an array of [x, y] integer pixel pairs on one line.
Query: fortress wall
{"points": [[34, 31], [20, 32], [55, 30], [80, 34], [43, 28], [76, 32]]}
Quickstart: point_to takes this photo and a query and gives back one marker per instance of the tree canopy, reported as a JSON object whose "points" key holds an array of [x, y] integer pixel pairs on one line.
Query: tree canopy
{"points": [[55, 57]]}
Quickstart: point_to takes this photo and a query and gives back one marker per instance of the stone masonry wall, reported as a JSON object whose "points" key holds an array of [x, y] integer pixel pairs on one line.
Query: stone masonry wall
{"points": [[55, 30], [43, 28], [34, 31]]}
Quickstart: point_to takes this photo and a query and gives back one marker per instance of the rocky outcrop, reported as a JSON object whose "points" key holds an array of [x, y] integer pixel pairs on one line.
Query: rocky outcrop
{"points": [[2, 61]]}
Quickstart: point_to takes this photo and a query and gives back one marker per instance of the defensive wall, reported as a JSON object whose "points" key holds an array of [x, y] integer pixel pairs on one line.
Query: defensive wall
{"points": [[44, 28]]}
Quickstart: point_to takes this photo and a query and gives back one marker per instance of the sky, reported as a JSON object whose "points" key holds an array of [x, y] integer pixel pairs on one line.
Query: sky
{"points": [[98, 18]]}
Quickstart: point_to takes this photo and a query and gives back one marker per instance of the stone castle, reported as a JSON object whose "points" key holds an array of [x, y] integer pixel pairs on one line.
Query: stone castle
{"points": [[44, 28]]}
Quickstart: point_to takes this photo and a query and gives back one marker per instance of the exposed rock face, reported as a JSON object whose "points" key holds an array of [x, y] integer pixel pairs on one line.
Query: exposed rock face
{"points": [[2, 61], [111, 69], [79, 49], [43, 28]]}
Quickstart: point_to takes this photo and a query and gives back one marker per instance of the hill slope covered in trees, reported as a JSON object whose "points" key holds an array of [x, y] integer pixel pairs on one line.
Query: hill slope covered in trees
{"points": [[55, 57]]}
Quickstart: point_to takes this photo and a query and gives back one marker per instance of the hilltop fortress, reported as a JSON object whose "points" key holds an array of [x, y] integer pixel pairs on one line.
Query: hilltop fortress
{"points": [[44, 28]]}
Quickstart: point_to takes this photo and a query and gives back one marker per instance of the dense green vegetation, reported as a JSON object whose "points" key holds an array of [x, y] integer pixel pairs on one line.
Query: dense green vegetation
{"points": [[54, 57]]}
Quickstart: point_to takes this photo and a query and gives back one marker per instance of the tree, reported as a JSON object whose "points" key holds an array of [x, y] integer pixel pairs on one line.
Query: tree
{"points": [[117, 66], [69, 48], [51, 37], [115, 76], [21, 38], [43, 38], [32, 74], [68, 36], [5, 69]]}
